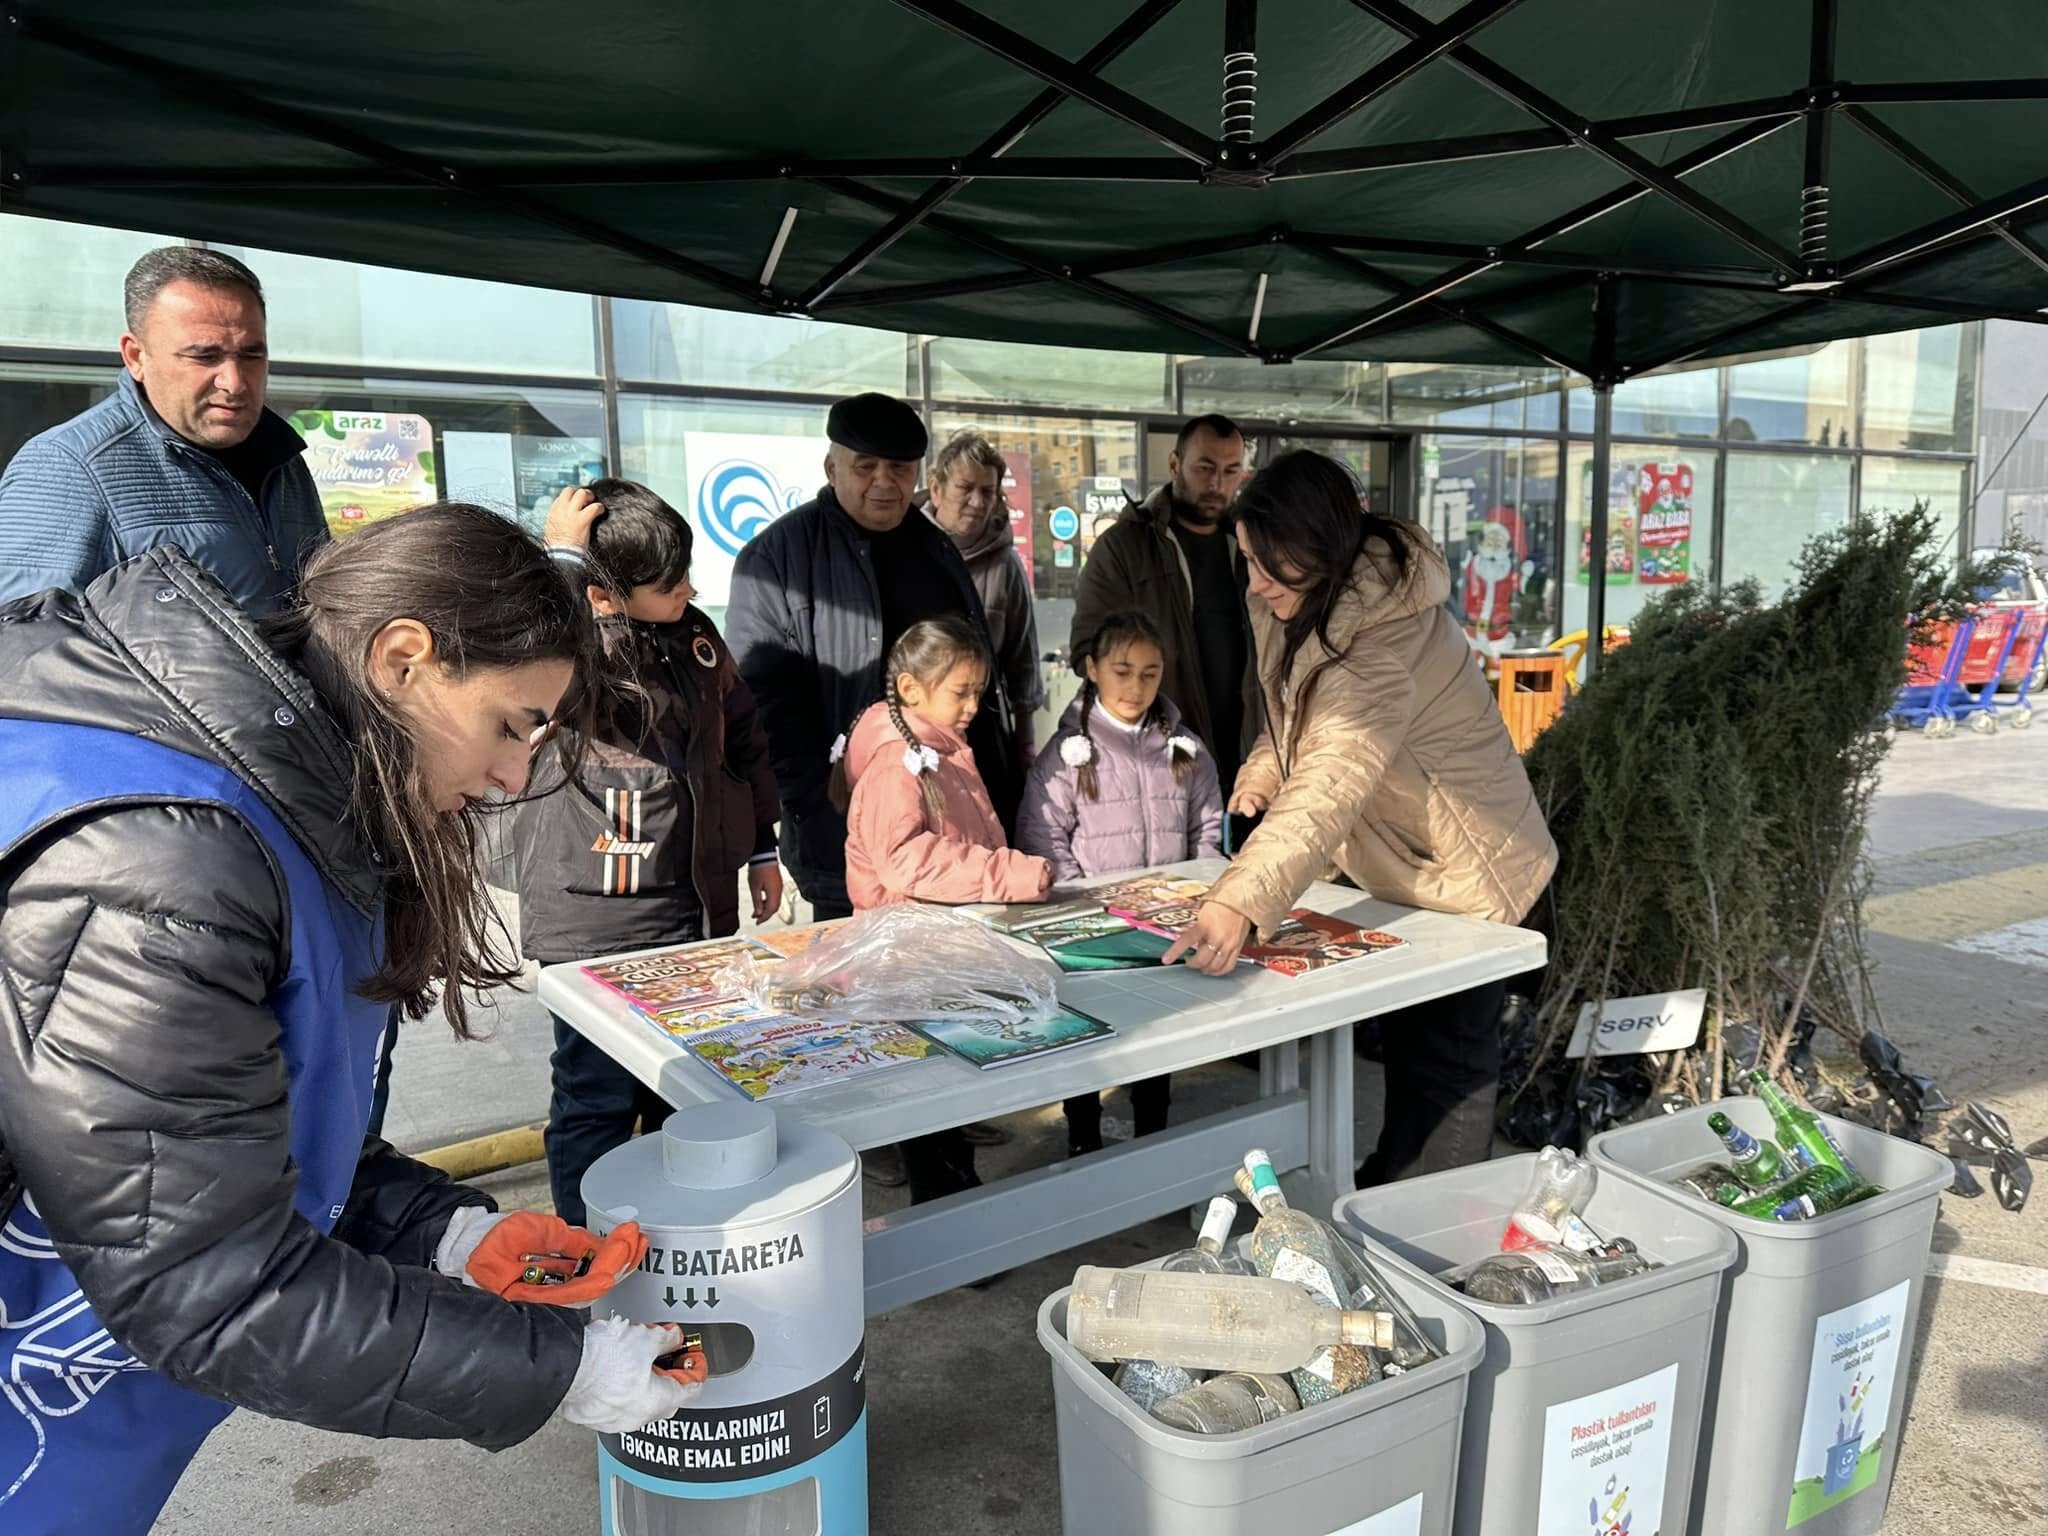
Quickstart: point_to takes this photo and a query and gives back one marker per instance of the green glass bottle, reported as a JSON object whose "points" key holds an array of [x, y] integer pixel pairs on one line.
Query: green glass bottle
{"points": [[1804, 1196], [1757, 1163], [1799, 1129]]}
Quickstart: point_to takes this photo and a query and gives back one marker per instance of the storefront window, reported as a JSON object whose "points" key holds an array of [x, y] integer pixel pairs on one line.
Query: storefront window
{"points": [[1919, 389], [1660, 504], [1068, 481], [375, 448], [1073, 376], [32, 401], [1339, 393], [363, 317], [677, 344], [1893, 485], [1461, 395], [729, 467], [1800, 399], [60, 284], [1491, 506], [1662, 405], [1776, 503]]}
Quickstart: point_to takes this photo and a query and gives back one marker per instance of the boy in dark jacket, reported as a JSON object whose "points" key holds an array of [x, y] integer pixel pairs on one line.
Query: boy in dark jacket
{"points": [[674, 801]]}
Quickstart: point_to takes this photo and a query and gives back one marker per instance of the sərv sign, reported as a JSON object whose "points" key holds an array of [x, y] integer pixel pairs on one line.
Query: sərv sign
{"points": [[1630, 1026]]}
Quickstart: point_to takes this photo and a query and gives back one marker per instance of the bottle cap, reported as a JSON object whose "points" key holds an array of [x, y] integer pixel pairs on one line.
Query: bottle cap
{"points": [[1217, 1224], [1374, 1330]]}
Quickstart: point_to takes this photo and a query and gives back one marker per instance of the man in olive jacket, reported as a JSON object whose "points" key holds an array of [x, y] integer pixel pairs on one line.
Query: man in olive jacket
{"points": [[1173, 558]]}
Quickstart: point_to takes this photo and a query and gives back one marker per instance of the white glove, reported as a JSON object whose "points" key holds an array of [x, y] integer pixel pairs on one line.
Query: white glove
{"points": [[617, 1389], [466, 1229]]}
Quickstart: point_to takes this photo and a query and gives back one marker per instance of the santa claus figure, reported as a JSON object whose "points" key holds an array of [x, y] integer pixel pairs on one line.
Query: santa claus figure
{"points": [[1494, 572]]}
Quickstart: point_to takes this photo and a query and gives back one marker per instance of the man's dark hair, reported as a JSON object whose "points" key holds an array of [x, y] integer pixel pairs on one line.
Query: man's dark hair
{"points": [[640, 541], [1214, 422], [169, 264]]}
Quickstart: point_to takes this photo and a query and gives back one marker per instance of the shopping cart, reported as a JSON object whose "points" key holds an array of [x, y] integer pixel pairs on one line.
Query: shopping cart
{"points": [[1933, 663], [1976, 690], [2030, 637]]}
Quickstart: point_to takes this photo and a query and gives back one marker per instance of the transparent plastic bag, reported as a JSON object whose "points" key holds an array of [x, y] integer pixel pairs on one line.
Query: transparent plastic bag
{"points": [[901, 963]]}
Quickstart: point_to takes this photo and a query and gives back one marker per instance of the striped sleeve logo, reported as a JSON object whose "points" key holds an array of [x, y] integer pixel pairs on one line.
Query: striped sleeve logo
{"points": [[618, 847]]}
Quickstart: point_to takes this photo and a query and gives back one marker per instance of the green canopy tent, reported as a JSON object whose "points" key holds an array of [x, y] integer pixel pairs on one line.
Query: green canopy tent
{"points": [[1608, 186]]}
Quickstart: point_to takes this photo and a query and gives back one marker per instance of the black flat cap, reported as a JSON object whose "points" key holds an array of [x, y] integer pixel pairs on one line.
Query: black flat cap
{"points": [[878, 424]]}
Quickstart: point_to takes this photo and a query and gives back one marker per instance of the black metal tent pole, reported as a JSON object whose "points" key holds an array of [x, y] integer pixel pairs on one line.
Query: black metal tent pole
{"points": [[1605, 296], [1813, 194], [1957, 191]]}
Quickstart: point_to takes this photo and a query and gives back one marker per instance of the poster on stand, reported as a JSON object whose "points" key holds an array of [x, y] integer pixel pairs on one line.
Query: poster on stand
{"points": [[1663, 524], [740, 482], [1017, 497], [1621, 525], [368, 464]]}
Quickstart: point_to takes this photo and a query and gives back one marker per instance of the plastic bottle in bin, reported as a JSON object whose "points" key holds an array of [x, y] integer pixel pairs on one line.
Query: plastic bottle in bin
{"points": [[1758, 1164], [1547, 1215], [1530, 1275], [1358, 1280], [1227, 1404], [1209, 1322]]}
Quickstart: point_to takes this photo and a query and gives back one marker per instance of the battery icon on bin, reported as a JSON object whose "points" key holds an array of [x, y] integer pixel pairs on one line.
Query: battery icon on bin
{"points": [[821, 1418]]}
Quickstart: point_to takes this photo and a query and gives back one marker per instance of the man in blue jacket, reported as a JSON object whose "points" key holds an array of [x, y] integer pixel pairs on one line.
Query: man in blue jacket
{"points": [[182, 453]]}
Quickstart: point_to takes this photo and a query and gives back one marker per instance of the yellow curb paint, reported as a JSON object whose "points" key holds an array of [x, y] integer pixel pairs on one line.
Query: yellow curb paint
{"points": [[486, 1154]]}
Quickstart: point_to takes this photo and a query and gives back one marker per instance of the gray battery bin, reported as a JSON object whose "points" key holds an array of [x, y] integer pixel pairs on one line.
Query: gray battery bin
{"points": [[1382, 1460], [1773, 1397], [1586, 1405]]}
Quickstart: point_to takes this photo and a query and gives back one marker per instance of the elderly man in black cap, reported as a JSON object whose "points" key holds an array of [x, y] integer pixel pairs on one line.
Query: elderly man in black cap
{"points": [[819, 597]]}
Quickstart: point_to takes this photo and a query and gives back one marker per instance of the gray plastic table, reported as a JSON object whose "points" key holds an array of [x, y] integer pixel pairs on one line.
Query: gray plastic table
{"points": [[1167, 1019]]}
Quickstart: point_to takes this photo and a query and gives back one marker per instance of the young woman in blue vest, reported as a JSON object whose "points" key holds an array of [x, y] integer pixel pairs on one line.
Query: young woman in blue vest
{"points": [[227, 848]]}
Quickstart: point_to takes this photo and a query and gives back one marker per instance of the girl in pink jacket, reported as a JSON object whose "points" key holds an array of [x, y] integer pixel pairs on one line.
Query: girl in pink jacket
{"points": [[919, 825]]}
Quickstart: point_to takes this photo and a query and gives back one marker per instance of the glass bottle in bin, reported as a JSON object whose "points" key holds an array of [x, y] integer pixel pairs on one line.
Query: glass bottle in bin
{"points": [[1530, 1275], [1806, 1195], [1758, 1164], [1800, 1130], [1226, 1404], [1148, 1382], [1284, 1229], [1209, 1322]]}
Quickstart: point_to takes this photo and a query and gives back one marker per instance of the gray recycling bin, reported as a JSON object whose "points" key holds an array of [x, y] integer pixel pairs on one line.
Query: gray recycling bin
{"points": [[1809, 1389], [1381, 1461], [1585, 1412]]}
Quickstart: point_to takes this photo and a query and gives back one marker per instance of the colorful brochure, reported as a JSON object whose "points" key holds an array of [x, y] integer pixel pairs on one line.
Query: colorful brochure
{"points": [[984, 1044], [769, 1055]]}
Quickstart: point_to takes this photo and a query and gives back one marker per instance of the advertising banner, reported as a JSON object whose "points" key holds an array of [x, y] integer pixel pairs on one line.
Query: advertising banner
{"points": [[368, 464]]}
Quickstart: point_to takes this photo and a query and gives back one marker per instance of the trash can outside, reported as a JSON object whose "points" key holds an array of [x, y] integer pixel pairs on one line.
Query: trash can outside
{"points": [[1584, 1416], [1381, 1461], [1531, 693], [1815, 1342]]}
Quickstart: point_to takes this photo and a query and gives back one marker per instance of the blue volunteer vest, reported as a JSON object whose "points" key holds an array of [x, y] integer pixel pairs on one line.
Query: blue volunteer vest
{"points": [[91, 1440]]}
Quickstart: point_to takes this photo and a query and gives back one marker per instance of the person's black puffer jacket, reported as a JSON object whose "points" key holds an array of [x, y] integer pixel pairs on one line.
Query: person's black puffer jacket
{"points": [[143, 1088]]}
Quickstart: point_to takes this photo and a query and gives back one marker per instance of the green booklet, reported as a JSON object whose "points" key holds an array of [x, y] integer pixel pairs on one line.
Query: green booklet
{"points": [[984, 1044], [1101, 942]]}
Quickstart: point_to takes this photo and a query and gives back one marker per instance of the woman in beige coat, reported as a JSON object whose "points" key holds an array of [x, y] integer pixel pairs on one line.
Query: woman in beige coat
{"points": [[1383, 755]]}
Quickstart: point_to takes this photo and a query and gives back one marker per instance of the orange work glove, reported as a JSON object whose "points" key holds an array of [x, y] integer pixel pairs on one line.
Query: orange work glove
{"points": [[525, 1246]]}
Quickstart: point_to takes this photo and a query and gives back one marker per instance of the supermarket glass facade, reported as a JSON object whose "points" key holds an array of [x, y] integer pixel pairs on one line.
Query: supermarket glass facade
{"points": [[1718, 472]]}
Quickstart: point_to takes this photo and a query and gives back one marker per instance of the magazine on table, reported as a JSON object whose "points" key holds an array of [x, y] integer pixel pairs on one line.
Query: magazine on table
{"points": [[1057, 906], [1102, 942], [984, 1043], [673, 978], [1305, 941], [790, 942], [768, 1055]]}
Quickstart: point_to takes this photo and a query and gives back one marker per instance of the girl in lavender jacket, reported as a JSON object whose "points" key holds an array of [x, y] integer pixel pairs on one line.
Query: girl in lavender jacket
{"points": [[1121, 787]]}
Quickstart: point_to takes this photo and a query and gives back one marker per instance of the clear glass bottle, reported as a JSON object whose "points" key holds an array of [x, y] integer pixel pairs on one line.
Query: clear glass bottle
{"points": [[1358, 1281], [1148, 1383], [1227, 1404], [1537, 1274], [1715, 1183], [1209, 1322], [1212, 1253]]}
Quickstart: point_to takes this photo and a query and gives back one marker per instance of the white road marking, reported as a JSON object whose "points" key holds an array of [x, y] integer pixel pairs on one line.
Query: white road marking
{"points": [[2006, 1277], [2021, 943]]}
